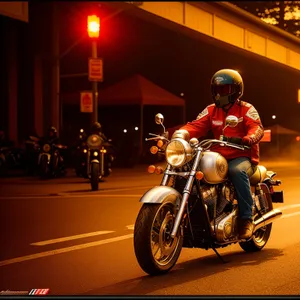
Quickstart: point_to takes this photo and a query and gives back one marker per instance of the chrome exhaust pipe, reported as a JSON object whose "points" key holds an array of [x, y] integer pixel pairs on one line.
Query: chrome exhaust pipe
{"points": [[267, 218]]}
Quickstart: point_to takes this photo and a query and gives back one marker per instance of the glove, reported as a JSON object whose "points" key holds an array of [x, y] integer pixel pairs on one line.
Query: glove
{"points": [[234, 140], [247, 141], [165, 134]]}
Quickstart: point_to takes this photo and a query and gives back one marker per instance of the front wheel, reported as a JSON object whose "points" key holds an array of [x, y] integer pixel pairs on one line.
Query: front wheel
{"points": [[155, 249], [95, 176]]}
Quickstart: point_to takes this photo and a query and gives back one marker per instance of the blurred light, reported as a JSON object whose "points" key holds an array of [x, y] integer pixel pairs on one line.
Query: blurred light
{"points": [[125, 130], [136, 128], [93, 26], [182, 94], [81, 130], [298, 138], [273, 117], [298, 95], [153, 150]]}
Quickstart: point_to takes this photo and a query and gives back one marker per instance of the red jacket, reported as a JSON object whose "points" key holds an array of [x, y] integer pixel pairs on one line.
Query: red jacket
{"points": [[213, 118]]}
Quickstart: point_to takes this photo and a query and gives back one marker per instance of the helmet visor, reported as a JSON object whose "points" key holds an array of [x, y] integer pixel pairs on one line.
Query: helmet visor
{"points": [[222, 89]]}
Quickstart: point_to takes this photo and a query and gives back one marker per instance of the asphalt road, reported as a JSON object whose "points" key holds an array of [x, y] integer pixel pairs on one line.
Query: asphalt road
{"points": [[57, 234]]}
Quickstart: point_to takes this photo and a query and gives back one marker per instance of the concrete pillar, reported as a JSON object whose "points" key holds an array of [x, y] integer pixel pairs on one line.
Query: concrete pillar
{"points": [[38, 97], [55, 94], [12, 85]]}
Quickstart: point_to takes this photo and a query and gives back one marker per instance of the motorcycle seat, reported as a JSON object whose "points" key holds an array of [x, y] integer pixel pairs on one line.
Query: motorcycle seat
{"points": [[259, 175]]}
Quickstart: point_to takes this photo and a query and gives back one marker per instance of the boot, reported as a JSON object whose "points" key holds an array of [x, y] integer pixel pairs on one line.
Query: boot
{"points": [[246, 227]]}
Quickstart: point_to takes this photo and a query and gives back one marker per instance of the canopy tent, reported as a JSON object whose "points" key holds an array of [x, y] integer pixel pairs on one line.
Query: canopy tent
{"points": [[280, 130], [135, 90]]}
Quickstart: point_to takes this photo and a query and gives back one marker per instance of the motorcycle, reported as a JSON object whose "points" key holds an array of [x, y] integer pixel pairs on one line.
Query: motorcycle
{"points": [[49, 159], [99, 160], [195, 204], [3, 166]]}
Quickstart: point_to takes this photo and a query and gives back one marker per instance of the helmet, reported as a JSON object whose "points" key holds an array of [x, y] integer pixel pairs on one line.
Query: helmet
{"points": [[96, 126], [226, 87], [52, 131]]}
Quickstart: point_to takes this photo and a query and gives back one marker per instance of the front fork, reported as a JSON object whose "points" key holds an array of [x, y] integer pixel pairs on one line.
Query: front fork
{"points": [[101, 153], [186, 192]]}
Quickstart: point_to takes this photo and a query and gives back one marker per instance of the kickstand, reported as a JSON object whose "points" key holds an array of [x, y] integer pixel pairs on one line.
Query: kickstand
{"points": [[218, 254]]}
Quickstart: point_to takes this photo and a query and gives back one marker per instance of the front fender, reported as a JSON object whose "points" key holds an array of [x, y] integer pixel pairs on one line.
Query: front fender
{"points": [[160, 194]]}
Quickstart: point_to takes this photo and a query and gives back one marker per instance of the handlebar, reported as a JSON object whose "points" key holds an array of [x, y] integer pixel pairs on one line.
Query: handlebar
{"points": [[156, 137], [207, 144]]}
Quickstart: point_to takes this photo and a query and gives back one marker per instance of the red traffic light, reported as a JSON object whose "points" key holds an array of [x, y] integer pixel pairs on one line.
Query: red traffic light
{"points": [[93, 26]]}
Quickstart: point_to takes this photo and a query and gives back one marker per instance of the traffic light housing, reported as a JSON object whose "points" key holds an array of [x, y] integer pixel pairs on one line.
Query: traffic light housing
{"points": [[93, 26]]}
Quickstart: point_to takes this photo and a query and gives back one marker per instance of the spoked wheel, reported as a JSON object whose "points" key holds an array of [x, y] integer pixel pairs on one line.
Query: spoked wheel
{"points": [[155, 249], [260, 236]]}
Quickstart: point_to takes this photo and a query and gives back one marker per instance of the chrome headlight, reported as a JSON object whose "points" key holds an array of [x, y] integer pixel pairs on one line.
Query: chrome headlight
{"points": [[178, 152], [94, 140], [46, 148]]}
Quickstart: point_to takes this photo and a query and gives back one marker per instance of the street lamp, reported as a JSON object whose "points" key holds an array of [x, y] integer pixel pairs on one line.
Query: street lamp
{"points": [[95, 65], [273, 117]]}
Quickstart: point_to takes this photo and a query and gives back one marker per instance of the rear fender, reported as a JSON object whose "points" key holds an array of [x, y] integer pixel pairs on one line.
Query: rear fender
{"points": [[160, 194]]}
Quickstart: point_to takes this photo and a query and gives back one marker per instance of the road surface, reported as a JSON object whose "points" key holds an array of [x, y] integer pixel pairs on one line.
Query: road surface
{"points": [[57, 234]]}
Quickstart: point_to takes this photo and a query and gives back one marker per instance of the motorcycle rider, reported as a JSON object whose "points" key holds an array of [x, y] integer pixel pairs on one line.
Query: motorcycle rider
{"points": [[52, 138], [97, 129], [226, 89]]}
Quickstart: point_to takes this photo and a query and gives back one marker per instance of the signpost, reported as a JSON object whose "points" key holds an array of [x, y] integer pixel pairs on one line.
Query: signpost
{"points": [[86, 102], [95, 64], [95, 69]]}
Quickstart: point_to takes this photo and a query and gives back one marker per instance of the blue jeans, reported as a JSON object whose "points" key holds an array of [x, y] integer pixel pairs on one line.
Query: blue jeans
{"points": [[239, 171]]}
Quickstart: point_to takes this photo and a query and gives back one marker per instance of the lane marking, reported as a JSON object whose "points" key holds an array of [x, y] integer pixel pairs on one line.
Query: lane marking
{"points": [[63, 250], [130, 227], [69, 238], [286, 207], [290, 215], [63, 194], [86, 245]]}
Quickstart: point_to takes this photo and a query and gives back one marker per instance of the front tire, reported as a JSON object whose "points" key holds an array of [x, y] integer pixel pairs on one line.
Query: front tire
{"points": [[95, 176], [260, 237], [155, 249], [44, 167]]}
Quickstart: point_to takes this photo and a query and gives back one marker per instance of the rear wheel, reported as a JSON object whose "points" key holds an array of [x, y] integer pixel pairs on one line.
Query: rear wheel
{"points": [[155, 249], [95, 176], [260, 237]]}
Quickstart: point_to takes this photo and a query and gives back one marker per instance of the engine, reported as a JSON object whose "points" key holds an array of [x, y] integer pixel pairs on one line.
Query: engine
{"points": [[221, 208], [217, 199]]}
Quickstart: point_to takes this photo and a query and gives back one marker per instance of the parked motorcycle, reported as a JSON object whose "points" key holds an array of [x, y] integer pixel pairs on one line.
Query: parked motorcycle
{"points": [[3, 165], [99, 160], [195, 204], [49, 160]]}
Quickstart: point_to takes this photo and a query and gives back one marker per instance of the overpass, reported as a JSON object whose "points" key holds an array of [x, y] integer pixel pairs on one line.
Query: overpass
{"points": [[16, 10], [225, 22]]}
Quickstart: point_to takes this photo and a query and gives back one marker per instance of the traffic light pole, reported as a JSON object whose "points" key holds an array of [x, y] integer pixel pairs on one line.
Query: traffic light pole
{"points": [[95, 85]]}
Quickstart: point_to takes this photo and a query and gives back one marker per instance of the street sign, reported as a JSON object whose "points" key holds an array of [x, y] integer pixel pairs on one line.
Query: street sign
{"points": [[86, 102], [95, 69]]}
